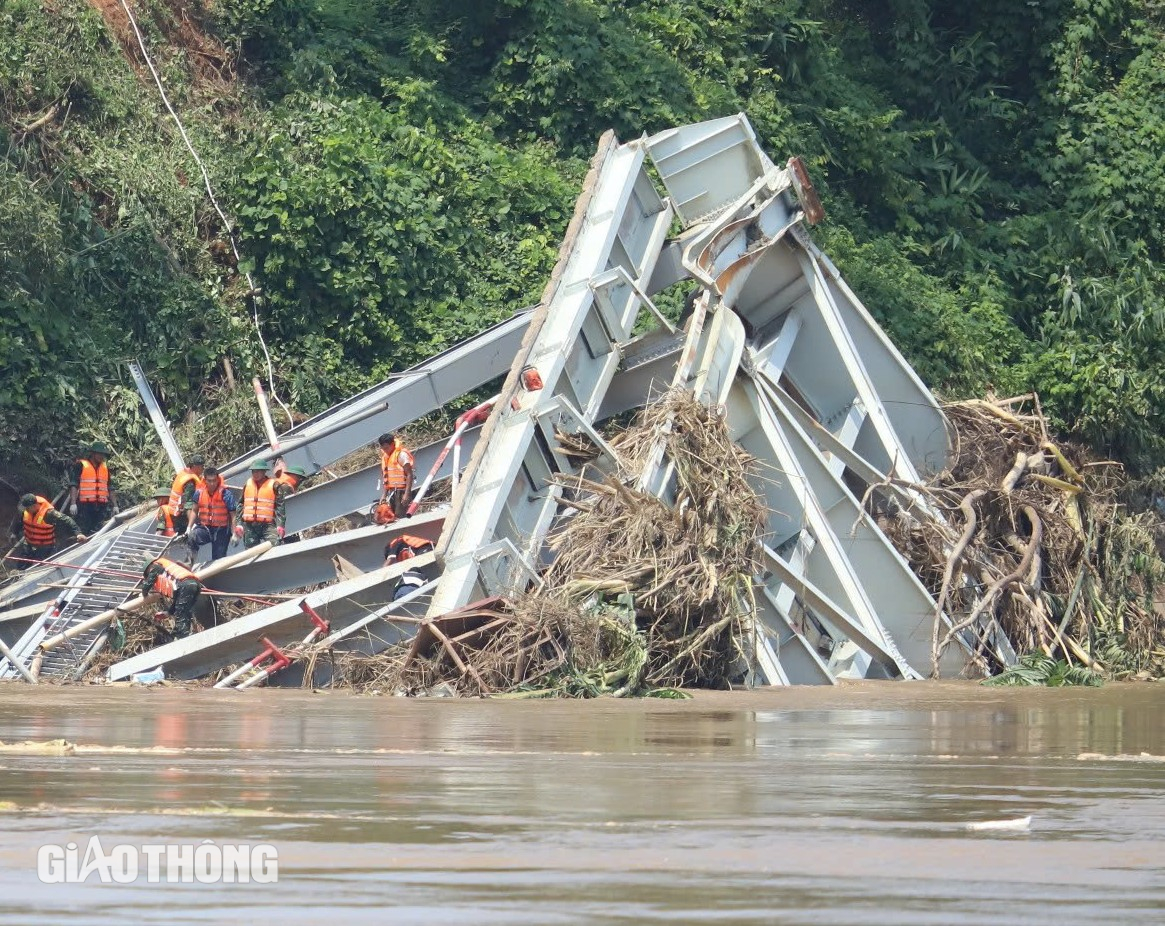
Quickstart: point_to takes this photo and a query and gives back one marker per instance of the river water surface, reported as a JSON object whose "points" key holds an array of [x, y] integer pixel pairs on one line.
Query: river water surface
{"points": [[844, 805]]}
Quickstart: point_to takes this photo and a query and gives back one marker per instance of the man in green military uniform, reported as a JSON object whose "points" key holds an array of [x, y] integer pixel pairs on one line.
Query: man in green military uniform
{"points": [[264, 509], [184, 494], [174, 581], [38, 520], [90, 488]]}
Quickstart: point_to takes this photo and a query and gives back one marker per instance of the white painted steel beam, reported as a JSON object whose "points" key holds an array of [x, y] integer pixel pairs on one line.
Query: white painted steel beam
{"points": [[309, 562], [426, 387], [345, 427], [357, 492], [708, 165], [285, 623], [620, 222], [173, 451]]}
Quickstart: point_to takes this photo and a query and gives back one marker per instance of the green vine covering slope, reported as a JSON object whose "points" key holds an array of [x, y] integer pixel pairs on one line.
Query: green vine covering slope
{"points": [[400, 173]]}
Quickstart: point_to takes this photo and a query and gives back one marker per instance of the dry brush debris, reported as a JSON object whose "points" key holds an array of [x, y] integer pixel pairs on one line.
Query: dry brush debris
{"points": [[1029, 538], [642, 595]]}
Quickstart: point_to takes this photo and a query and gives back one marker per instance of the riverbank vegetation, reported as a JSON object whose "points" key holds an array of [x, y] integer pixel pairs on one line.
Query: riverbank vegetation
{"points": [[396, 175], [399, 174]]}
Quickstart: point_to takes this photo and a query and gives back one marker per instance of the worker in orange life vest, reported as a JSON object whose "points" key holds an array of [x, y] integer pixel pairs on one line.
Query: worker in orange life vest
{"points": [[38, 520], [90, 490], [163, 520], [215, 511], [264, 512], [183, 491], [174, 581], [396, 473], [402, 548]]}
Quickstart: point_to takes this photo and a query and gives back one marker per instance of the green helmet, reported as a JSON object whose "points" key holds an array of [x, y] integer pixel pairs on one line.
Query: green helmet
{"points": [[98, 447], [160, 493], [27, 500], [297, 471], [259, 463]]}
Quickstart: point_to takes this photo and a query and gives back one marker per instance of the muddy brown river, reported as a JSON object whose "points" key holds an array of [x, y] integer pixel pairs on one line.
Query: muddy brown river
{"points": [[845, 806]]}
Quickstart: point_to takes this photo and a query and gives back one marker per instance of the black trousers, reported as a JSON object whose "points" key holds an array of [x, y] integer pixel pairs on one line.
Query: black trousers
{"points": [[91, 515]]}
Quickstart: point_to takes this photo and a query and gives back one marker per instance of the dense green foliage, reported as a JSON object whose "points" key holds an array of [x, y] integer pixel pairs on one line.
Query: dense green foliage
{"points": [[401, 172], [1038, 669]]}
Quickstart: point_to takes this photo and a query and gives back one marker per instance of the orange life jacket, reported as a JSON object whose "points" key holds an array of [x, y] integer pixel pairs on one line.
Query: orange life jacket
{"points": [[94, 482], [259, 502], [392, 470], [172, 574], [176, 490], [212, 507], [169, 519], [406, 546], [288, 479], [37, 532]]}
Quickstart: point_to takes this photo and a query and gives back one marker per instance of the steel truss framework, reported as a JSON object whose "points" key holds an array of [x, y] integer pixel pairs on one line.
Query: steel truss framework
{"points": [[809, 383]]}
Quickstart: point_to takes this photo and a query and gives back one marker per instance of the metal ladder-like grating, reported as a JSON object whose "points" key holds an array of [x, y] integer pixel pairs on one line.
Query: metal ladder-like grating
{"points": [[123, 553]]}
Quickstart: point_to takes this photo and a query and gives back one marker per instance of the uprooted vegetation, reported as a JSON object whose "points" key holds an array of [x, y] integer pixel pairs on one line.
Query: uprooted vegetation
{"points": [[642, 596], [1028, 545], [1033, 538]]}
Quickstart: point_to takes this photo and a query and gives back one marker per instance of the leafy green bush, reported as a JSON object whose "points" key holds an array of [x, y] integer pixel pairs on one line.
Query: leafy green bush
{"points": [[1038, 669]]}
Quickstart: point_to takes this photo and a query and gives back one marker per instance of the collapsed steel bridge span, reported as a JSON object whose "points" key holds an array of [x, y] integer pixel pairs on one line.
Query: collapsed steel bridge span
{"points": [[809, 384]]}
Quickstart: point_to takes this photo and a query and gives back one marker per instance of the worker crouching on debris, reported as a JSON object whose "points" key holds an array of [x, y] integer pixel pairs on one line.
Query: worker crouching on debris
{"points": [[264, 511], [39, 521], [396, 473], [173, 581], [215, 514], [90, 490], [403, 548], [183, 491], [163, 519]]}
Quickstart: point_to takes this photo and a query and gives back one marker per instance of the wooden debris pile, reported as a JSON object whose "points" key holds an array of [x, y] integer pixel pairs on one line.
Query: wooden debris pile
{"points": [[1027, 538], [681, 571], [484, 648]]}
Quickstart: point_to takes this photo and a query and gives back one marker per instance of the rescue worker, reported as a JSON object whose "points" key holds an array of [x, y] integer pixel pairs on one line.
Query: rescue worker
{"points": [[182, 493], [402, 548], [90, 491], [215, 513], [264, 513], [288, 480], [174, 581], [292, 477], [163, 520], [406, 546], [396, 473], [38, 520]]}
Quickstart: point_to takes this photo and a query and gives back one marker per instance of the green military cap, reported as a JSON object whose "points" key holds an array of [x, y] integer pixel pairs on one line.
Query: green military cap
{"points": [[27, 500], [160, 493], [98, 447], [259, 463], [297, 471]]}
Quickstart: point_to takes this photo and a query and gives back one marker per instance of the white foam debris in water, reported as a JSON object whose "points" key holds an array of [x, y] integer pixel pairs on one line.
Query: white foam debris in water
{"points": [[1016, 825], [1102, 757]]}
